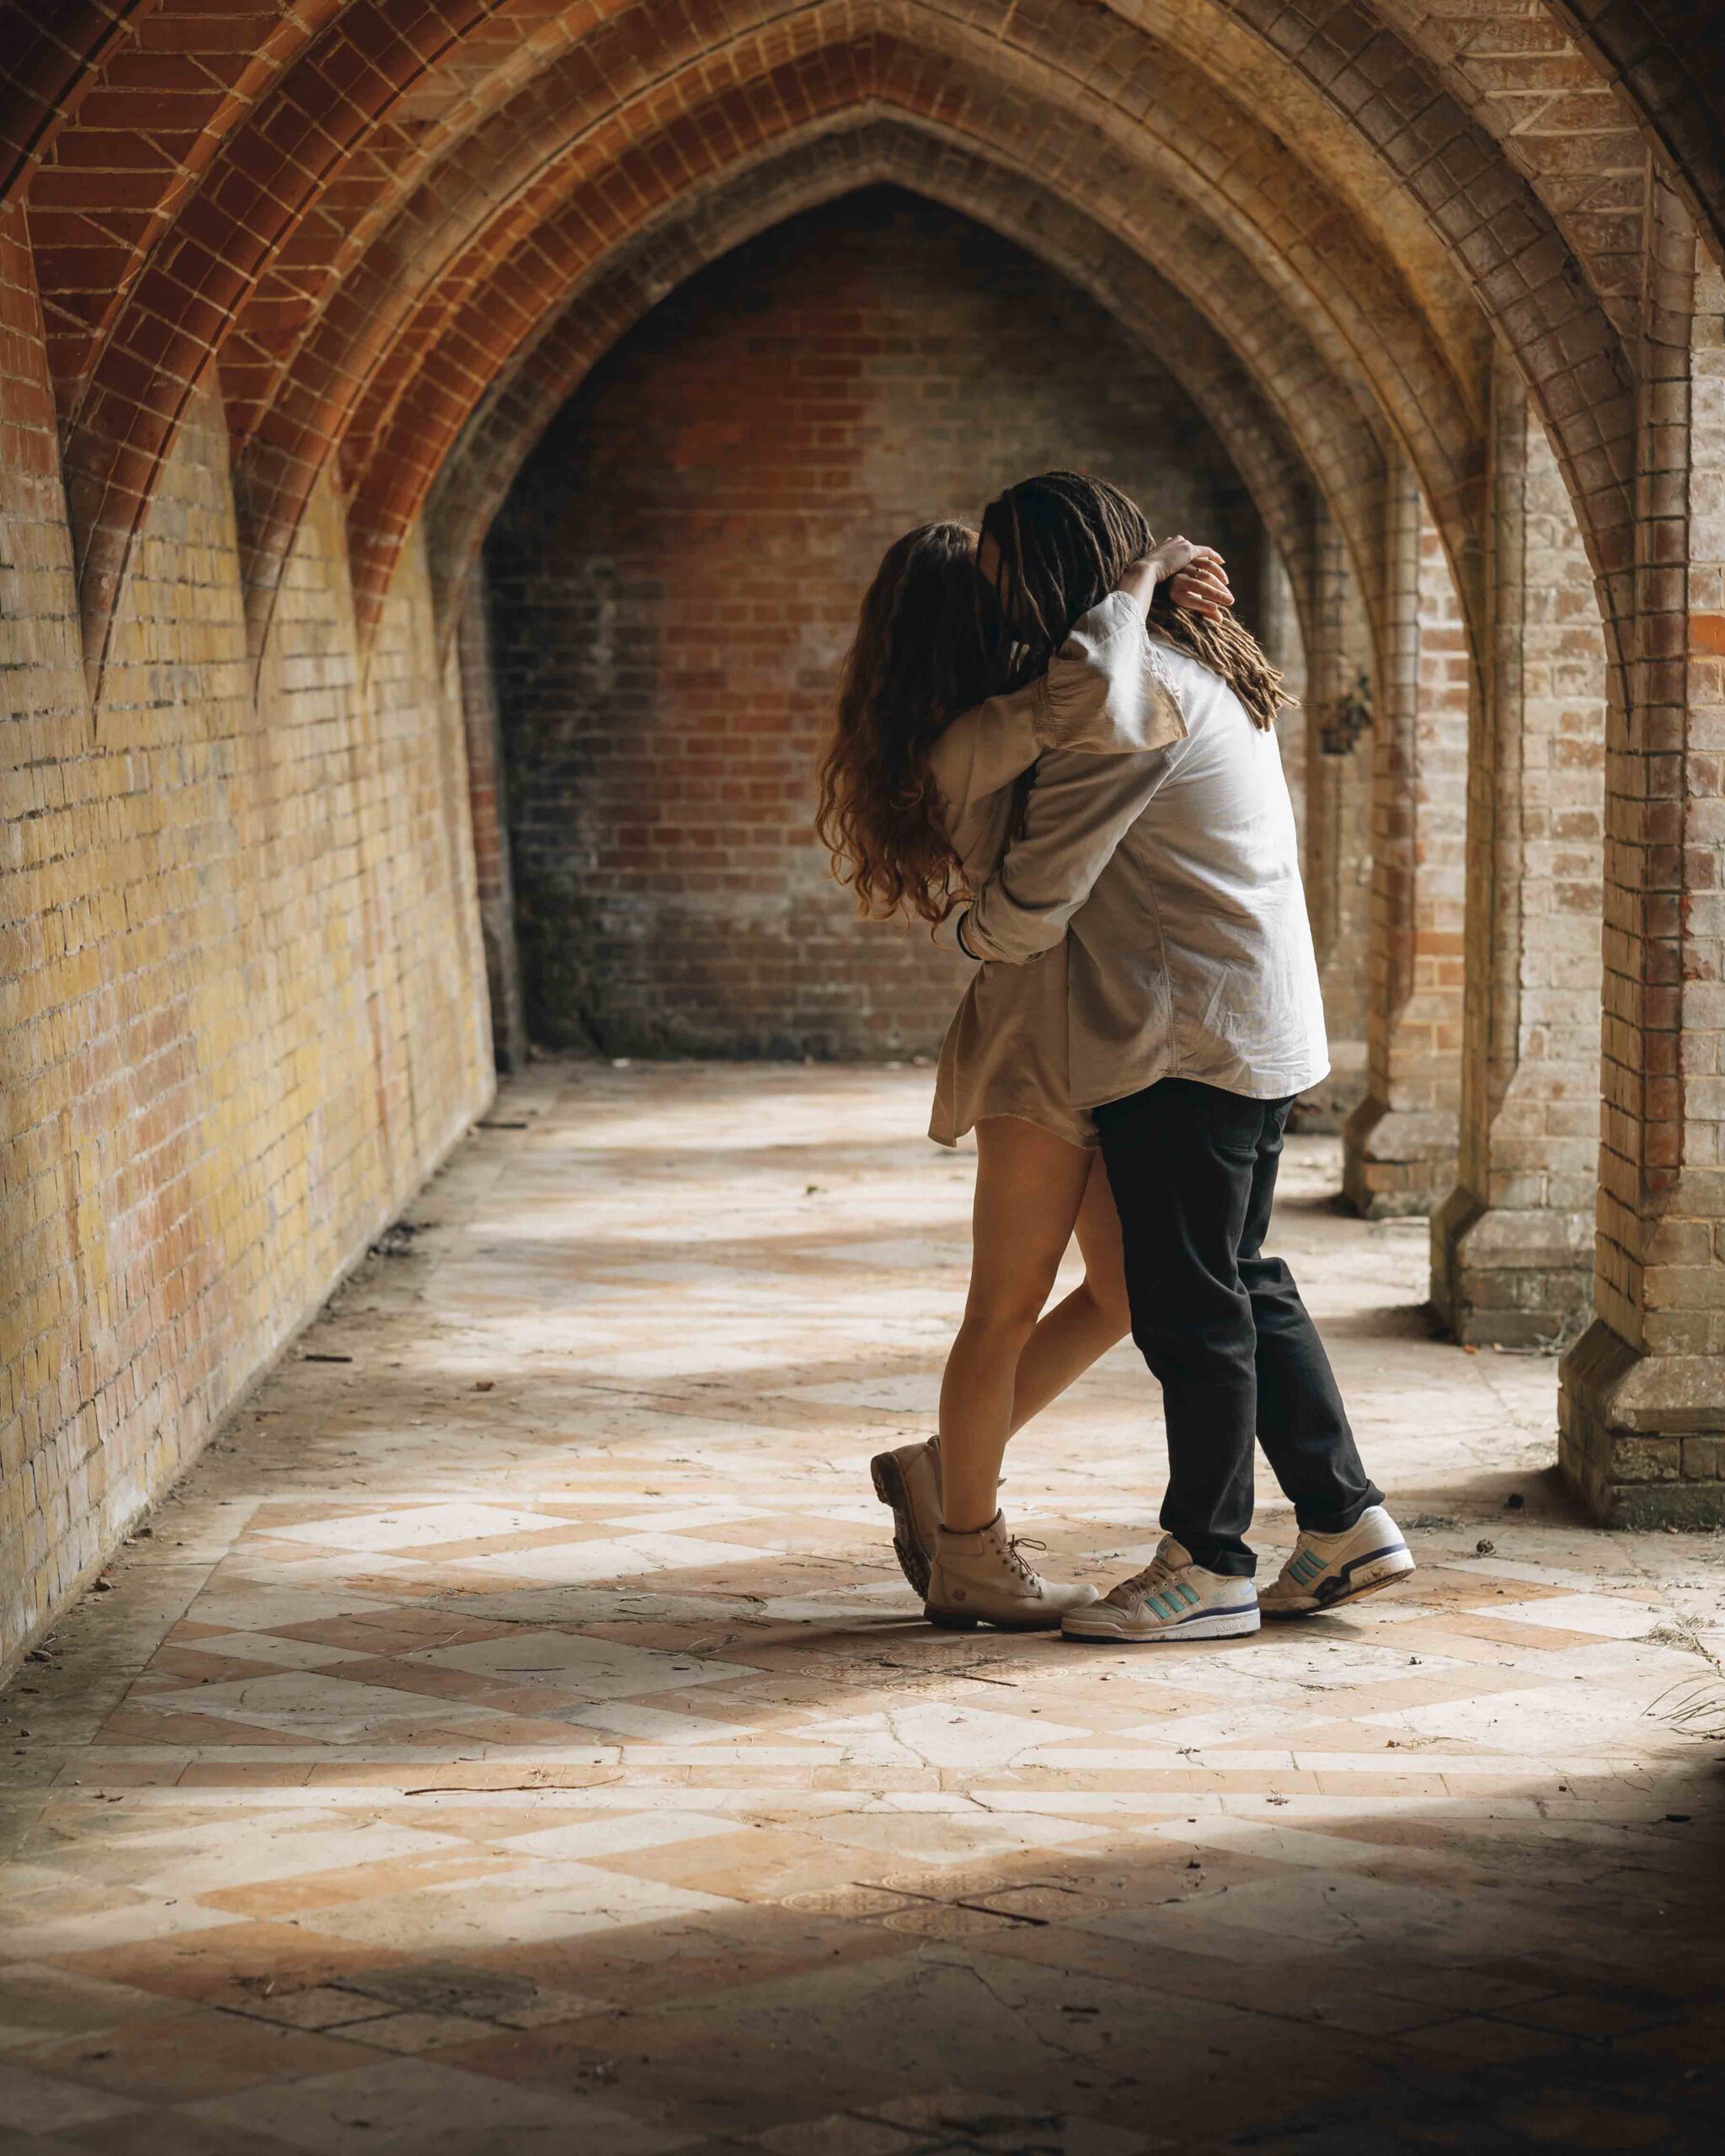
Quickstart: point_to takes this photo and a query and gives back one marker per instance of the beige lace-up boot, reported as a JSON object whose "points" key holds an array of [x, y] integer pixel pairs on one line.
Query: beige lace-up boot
{"points": [[908, 1479], [985, 1578]]}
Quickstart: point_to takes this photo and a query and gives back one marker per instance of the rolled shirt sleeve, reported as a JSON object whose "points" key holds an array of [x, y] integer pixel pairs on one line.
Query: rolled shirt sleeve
{"points": [[949, 934], [1077, 813], [1108, 691]]}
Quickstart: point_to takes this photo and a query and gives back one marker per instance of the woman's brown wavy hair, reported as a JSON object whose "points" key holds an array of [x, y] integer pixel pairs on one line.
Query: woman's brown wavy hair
{"points": [[922, 654], [1062, 543]]}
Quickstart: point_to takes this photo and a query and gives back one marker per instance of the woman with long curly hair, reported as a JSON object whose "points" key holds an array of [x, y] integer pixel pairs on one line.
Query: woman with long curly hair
{"points": [[919, 791]]}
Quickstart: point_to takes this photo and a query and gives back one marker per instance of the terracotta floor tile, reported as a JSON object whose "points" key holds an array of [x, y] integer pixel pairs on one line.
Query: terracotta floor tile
{"points": [[199, 2054], [238, 1774], [323, 1890], [187, 1732], [755, 1866], [165, 2133], [417, 2104], [841, 2134], [636, 1971], [39, 2003], [223, 1964], [38, 2103], [318, 2008], [410, 2034], [1478, 2041]]}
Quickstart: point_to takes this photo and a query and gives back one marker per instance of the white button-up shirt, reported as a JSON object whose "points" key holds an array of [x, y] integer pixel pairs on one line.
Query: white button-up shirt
{"points": [[1174, 876]]}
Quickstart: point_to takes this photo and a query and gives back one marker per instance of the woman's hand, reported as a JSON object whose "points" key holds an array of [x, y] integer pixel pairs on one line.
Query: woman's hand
{"points": [[1195, 576]]}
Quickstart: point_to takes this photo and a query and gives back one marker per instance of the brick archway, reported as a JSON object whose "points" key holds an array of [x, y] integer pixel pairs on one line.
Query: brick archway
{"points": [[494, 292], [1296, 471], [1282, 344]]}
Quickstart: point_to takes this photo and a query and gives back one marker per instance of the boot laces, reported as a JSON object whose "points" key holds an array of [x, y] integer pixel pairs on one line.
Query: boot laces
{"points": [[1016, 1544]]}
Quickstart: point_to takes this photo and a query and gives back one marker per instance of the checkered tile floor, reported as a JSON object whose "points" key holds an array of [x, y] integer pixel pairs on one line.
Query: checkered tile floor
{"points": [[517, 1734]]}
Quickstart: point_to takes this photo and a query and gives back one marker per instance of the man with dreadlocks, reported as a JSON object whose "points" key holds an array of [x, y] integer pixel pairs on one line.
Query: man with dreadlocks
{"points": [[1193, 1018]]}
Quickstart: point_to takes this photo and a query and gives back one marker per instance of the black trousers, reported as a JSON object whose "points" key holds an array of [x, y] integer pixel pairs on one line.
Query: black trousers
{"points": [[1221, 1325]]}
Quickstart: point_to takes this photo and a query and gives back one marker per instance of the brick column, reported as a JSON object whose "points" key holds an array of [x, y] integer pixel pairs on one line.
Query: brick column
{"points": [[1400, 1146], [1338, 840], [1511, 1245], [491, 865], [1642, 1399]]}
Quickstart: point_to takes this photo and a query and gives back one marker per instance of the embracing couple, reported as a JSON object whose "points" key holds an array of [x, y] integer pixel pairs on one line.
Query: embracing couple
{"points": [[1055, 745]]}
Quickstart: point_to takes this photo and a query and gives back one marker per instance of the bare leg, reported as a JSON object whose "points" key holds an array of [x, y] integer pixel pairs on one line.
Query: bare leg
{"points": [[1087, 1323], [1030, 1187]]}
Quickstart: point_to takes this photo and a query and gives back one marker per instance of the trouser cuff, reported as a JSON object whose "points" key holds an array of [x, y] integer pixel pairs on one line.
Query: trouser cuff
{"points": [[1226, 1562]]}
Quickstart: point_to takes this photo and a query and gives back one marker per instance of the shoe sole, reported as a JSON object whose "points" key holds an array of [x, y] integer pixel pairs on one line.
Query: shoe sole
{"points": [[889, 1478], [1348, 1590], [1222, 1624], [961, 1620]]}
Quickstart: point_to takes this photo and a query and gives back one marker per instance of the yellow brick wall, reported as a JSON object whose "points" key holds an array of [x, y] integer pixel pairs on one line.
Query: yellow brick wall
{"points": [[244, 1007]]}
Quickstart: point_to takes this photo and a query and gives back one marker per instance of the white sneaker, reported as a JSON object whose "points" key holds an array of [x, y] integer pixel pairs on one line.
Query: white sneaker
{"points": [[1171, 1599], [1328, 1570]]}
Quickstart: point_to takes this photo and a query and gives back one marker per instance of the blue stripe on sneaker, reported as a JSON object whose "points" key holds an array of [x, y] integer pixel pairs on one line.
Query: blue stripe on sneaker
{"points": [[1339, 1589], [1371, 1557], [1219, 1609]]}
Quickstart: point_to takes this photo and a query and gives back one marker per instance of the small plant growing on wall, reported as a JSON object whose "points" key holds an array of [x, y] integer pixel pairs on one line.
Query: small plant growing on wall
{"points": [[1350, 716]]}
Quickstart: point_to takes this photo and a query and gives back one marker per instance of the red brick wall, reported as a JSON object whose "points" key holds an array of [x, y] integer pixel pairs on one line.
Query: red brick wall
{"points": [[676, 576]]}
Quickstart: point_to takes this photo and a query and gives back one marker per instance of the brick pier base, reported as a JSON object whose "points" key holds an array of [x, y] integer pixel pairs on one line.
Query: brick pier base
{"points": [[1396, 1161], [1518, 1278], [1641, 1437]]}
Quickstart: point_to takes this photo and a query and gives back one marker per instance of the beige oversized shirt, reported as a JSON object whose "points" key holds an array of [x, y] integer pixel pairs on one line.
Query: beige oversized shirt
{"points": [[1170, 881], [1106, 695]]}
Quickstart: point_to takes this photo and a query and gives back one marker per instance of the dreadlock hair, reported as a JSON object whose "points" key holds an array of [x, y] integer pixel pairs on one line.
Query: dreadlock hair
{"points": [[1063, 541], [922, 654]]}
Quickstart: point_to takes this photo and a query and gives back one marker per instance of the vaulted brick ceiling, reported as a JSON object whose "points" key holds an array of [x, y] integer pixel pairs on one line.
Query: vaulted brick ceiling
{"points": [[1313, 422], [400, 229]]}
